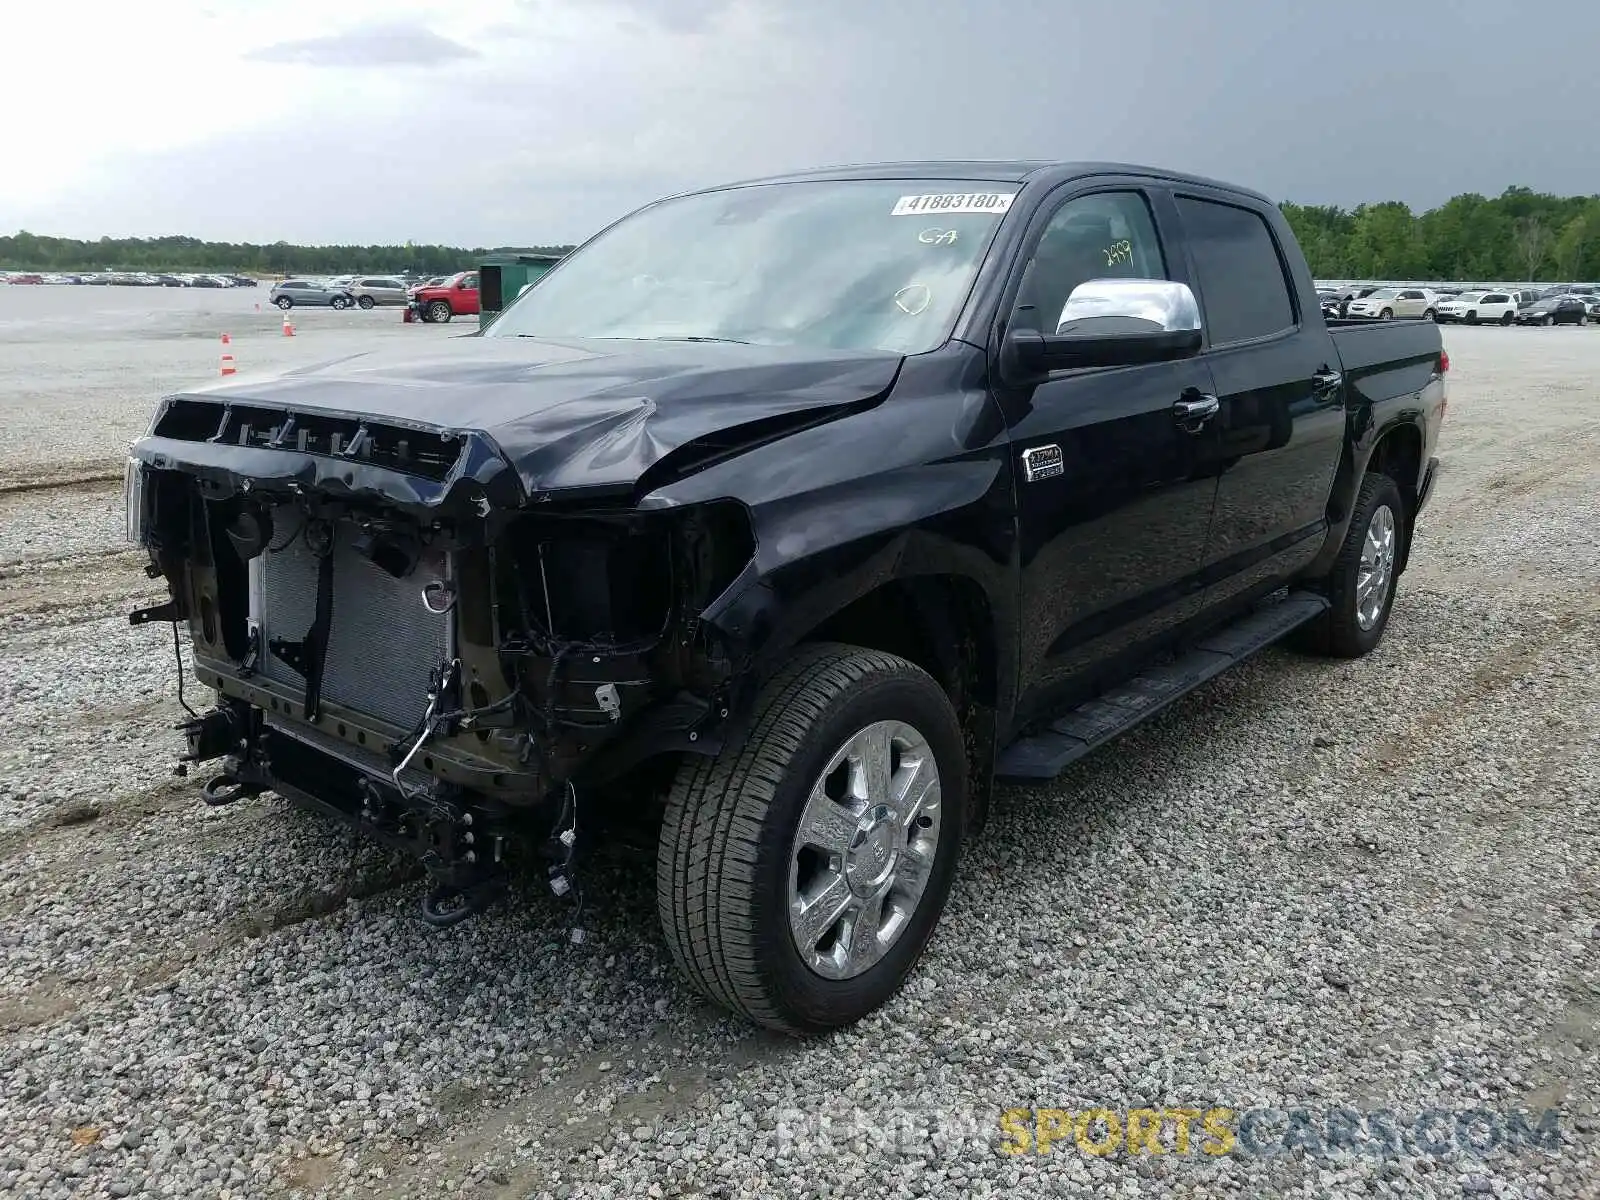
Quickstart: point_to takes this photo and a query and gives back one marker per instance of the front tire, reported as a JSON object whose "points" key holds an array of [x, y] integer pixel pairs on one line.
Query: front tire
{"points": [[1472, 317], [284, 302], [1361, 584], [439, 310], [1386, 315], [366, 302], [1429, 315], [340, 302], [800, 875]]}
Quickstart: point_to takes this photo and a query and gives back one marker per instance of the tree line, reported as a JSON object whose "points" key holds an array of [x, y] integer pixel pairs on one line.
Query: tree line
{"points": [[1520, 236], [32, 252]]}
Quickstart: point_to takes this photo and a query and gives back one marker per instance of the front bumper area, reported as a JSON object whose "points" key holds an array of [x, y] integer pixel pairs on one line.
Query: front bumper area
{"points": [[461, 839]]}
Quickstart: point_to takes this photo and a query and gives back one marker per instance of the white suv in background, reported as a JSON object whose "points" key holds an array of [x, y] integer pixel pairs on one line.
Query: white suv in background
{"points": [[1473, 307], [1396, 302]]}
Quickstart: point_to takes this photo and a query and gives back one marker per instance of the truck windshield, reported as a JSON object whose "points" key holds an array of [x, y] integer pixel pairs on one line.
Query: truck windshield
{"points": [[836, 264]]}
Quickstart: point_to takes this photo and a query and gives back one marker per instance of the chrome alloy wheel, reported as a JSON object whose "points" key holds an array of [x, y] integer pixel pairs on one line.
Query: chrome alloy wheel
{"points": [[864, 848], [1375, 576]]}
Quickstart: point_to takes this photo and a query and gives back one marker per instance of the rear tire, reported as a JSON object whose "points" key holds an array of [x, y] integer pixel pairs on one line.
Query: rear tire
{"points": [[1507, 318], [1360, 585], [737, 876]]}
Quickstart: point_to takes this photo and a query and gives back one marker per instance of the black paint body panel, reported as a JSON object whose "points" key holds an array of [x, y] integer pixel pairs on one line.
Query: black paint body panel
{"points": [[862, 468]]}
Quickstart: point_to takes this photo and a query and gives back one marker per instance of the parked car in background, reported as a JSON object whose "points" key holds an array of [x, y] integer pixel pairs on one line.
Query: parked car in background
{"points": [[369, 291], [1554, 310], [1353, 293], [1470, 308], [455, 297], [289, 292], [1591, 305], [240, 280], [1387, 303], [24, 277]]}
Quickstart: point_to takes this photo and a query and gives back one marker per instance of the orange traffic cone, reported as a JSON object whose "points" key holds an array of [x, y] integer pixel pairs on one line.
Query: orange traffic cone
{"points": [[288, 329], [227, 363]]}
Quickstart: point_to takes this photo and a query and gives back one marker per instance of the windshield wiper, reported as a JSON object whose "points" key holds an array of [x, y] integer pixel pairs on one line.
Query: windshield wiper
{"points": [[698, 338], [666, 338]]}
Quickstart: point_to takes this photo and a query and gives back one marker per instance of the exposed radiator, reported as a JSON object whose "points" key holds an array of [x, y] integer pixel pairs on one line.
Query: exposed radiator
{"points": [[383, 642]]}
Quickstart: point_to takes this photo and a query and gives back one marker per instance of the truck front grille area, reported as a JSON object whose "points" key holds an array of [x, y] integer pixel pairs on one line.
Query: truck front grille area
{"points": [[411, 451], [383, 642]]}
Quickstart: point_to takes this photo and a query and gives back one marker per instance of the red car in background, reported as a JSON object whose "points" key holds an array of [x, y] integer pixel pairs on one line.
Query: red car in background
{"points": [[31, 278], [455, 297]]}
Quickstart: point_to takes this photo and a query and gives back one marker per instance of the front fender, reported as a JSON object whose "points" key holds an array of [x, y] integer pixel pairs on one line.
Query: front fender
{"points": [[820, 552]]}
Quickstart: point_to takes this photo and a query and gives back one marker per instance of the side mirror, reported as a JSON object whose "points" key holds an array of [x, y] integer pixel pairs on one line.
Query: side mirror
{"points": [[1114, 322]]}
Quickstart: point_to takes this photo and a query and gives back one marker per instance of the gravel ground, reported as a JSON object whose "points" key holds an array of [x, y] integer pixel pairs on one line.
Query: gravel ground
{"points": [[1311, 885]]}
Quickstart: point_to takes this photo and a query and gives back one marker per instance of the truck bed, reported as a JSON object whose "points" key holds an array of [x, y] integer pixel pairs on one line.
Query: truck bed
{"points": [[1364, 345]]}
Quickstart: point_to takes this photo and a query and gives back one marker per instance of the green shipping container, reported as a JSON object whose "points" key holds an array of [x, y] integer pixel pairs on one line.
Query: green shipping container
{"points": [[502, 278]]}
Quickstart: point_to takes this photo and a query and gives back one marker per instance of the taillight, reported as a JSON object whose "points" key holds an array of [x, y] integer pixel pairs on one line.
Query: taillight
{"points": [[1444, 361]]}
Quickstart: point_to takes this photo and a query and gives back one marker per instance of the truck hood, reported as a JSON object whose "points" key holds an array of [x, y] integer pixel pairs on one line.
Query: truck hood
{"points": [[588, 415]]}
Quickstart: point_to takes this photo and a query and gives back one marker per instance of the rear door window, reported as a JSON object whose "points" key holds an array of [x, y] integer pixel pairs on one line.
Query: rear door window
{"points": [[1244, 290]]}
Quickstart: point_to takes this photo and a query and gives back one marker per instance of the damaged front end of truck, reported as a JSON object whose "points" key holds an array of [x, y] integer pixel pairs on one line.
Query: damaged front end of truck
{"points": [[400, 632]]}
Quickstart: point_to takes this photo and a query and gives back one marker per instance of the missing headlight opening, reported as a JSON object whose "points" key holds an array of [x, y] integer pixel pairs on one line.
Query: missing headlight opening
{"points": [[454, 687]]}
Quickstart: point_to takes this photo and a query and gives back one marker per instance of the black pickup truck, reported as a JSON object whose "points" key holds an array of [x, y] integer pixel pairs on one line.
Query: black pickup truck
{"points": [[782, 519]]}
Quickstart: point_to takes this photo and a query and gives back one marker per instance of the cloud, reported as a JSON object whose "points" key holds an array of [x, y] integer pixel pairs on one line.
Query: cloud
{"points": [[386, 46], [554, 116]]}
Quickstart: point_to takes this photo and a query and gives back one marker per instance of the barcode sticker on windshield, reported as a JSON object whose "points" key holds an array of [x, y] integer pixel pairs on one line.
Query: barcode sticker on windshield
{"points": [[953, 202]]}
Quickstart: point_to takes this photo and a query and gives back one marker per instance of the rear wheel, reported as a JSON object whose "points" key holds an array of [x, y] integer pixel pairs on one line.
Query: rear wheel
{"points": [[800, 875], [1507, 317], [1360, 586], [439, 310]]}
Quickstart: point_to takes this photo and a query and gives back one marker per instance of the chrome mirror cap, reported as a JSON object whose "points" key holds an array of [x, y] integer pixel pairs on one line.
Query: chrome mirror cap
{"points": [[1109, 307]]}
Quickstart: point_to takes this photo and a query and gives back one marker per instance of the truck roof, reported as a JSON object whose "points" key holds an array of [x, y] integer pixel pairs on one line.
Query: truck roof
{"points": [[1009, 170]]}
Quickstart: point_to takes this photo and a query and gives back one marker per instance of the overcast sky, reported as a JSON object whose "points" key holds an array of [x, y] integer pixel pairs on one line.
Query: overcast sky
{"points": [[491, 122]]}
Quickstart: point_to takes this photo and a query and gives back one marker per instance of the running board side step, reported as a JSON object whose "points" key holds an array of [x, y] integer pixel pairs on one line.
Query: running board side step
{"points": [[1045, 753]]}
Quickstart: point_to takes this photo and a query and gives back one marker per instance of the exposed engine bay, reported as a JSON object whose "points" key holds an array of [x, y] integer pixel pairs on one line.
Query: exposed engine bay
{"points": [[450, 683]]}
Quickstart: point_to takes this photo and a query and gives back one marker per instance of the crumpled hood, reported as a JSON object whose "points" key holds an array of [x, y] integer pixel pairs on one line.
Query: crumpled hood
{"points": [[589, 414]]}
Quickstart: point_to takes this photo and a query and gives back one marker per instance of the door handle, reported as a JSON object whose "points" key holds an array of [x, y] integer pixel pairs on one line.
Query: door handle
{"points": [[1195, 410]]}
